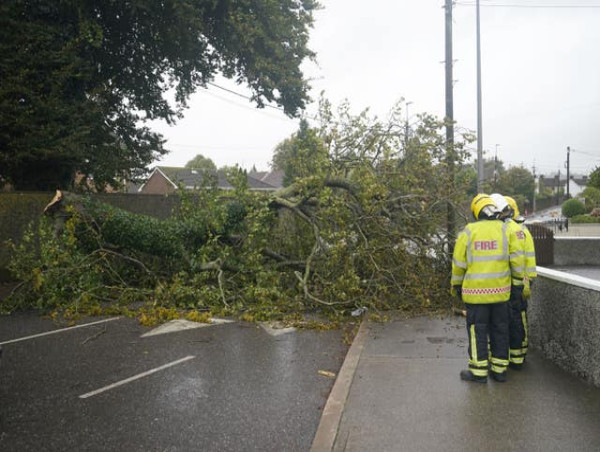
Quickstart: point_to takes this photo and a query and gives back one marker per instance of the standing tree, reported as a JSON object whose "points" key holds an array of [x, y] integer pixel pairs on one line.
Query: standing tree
{"points": [[201, 163], [594, 179], [493, 171], [80, 78], [281, 154], [517, 182], [302, 155]]}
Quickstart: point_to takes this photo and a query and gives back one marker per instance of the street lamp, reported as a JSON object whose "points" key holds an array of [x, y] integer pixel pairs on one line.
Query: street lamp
{"points": [[406, 131], [496, 167], [479, 126]]}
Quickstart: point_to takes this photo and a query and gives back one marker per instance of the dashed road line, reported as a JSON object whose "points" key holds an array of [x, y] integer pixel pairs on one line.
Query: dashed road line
{"points": [[62, 330], [135, 377]]}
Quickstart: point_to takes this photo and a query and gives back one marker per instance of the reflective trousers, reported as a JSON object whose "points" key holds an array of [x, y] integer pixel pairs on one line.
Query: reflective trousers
{"points": [[517, 328], [487, 321]]}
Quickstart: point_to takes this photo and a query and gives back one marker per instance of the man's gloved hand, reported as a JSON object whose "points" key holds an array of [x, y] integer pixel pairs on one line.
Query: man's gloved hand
{"points": [[527, 290], [457, 290]]}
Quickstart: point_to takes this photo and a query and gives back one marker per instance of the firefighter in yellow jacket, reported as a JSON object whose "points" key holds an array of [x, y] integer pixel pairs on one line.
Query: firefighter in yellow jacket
{"points": [[487, 263], [530, 275], [515, 324]]}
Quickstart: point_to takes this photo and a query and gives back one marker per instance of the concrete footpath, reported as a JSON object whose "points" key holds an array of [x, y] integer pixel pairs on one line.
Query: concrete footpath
{"points": [[399, 390]]}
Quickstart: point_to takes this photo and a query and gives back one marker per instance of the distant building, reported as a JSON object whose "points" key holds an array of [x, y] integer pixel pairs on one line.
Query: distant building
{"points": [[164, 180], [557, 184], [274, 178]]}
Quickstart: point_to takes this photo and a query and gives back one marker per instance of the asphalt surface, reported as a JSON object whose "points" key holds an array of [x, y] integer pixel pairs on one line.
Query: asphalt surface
{"points": [[229, 387], [404, 394]]}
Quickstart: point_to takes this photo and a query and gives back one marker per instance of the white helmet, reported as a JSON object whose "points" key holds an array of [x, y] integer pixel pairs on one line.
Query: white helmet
{"points": [[500, 201]]}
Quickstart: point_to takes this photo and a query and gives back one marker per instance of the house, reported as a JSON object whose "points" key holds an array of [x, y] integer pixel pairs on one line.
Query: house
{"points": [[557, 183], [274, 178], [577, 184], [164, 180]]}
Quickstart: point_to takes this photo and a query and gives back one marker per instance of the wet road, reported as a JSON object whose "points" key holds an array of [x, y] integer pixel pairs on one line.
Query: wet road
{"points": [[226, 387]]}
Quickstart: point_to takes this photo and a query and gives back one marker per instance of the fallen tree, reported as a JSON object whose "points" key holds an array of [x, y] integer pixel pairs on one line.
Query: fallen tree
{"points": [[364, 228]]}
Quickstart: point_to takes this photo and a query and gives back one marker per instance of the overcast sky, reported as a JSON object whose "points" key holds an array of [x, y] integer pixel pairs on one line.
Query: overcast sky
{"points": [[540, 80]]}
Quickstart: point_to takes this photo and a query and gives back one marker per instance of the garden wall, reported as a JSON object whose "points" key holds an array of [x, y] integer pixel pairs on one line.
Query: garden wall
{"points": [[17, 210], [564, 322]]}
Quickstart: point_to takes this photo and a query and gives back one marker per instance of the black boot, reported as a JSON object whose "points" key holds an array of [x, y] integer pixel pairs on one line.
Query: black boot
{"points": [[467, 375], [515, 366], [499, 377]]}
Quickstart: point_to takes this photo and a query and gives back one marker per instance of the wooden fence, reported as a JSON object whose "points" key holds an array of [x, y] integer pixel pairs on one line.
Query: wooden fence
{"points": [[543, 240]]}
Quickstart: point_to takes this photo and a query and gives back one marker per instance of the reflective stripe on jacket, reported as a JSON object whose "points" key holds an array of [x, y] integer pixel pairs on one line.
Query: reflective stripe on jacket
{"points": [[487, 259]]}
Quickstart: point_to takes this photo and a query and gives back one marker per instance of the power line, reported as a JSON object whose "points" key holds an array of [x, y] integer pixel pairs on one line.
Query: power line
{"points": [[512, 5], [222, 148], [243, 96], [595, 154], [249, 107]]}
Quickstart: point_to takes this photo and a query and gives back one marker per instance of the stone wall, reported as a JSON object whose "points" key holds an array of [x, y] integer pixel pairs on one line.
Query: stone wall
{"points": [[564, 322]]}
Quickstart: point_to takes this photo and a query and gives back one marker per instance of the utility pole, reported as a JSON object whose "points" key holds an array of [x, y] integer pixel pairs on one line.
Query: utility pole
{"points": [[568, 163], [496, 167], [450, 214], [406, 132], [558, 190], [479, 125], [535, 186]]}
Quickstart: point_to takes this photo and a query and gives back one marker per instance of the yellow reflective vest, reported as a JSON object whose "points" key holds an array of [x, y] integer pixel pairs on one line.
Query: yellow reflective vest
{"points": [[530, 264], [488, 257], [516, 233]]}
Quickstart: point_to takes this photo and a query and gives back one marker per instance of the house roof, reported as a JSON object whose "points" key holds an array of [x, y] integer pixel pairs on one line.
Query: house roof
{"points": [[274, 178], [551, 181], [191, 178]]}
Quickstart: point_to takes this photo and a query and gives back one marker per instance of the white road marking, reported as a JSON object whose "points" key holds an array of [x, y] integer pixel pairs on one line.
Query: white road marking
{"points": [[62, 330], [181, 324], [135, 377]]}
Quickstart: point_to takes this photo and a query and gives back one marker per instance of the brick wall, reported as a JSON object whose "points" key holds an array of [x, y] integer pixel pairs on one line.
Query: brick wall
{"points": [[158, 185]]}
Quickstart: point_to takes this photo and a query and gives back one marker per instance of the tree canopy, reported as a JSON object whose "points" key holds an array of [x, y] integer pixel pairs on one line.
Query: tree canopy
{"points": [[79, 78], [515, 181], [572, 207], [303, 154], [202, 163], [594, 179], [592, 198]]}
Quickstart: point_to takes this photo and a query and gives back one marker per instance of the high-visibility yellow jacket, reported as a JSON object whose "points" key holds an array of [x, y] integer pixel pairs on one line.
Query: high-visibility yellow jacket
{"points": [[516, 233], [488, 257], [530, 264]]}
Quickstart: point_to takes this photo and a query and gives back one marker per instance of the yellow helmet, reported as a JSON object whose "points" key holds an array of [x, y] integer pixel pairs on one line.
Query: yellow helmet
{"points": [[481, 201], [513, 205]]}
